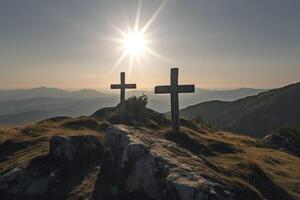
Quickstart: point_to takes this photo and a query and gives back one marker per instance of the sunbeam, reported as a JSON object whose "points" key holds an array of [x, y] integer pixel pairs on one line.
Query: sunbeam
{"points": [[135, 42]]}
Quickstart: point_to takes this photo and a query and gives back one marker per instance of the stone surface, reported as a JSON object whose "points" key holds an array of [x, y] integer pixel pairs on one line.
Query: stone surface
{"points": [[73, 147], [148, 164], [22, 182], [37, 187], [62, 147]]}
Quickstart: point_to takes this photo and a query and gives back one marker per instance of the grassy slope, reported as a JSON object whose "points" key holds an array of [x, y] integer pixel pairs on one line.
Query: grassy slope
{"points": [[255, 115], [274, 174], [19, 146]]}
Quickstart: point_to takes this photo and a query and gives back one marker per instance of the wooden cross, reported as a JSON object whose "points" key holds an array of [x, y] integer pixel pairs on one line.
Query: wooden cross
{"points": [[174, 89], [123, 86]]}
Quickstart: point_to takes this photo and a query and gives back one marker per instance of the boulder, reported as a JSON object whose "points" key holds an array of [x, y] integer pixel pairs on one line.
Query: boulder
{"points": [[276, 141], [147, 164], [37, 187], [75, 147], [62, 147], [283, 142], [23, 182]]}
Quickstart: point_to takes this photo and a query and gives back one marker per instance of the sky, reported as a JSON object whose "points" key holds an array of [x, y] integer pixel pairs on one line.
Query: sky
{"points": [[216, 44]]}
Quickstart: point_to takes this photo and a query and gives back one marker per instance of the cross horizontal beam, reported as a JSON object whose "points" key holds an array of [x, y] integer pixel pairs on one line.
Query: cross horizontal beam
{"points": [[186, 88], [119, 86], [166, 89]]}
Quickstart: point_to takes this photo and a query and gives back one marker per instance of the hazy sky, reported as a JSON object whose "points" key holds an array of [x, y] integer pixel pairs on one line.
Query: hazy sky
{"points": [[216, 43]]}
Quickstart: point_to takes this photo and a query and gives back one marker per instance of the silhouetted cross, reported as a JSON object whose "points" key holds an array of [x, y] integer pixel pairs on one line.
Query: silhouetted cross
{"points": [[174, 89], [123, 86]]}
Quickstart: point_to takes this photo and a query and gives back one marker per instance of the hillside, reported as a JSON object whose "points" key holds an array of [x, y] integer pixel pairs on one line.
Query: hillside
{"points": [[254, 115], [140, 160]]}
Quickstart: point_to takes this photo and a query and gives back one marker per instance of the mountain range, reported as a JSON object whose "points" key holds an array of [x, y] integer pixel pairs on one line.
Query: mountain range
{"points": [[18, 94], [255, 115], [31, 105]]}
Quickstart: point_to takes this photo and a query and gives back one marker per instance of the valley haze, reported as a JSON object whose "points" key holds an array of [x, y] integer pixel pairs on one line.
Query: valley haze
{"points": [[31, 105]]}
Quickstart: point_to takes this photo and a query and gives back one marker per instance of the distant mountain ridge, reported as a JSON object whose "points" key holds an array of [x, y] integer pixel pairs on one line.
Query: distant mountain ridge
{"points": [[254, 115], [6, 95], [17, 105], [200, 94], [33, 116]]}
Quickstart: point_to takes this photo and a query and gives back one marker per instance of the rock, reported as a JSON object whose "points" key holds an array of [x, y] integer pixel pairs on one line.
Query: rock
{"points": [[159, 169], [284, 142], [37, 187], [62, 147], [276, 141], [22, 182], [11, 175], [52, 174], [75, 147]]}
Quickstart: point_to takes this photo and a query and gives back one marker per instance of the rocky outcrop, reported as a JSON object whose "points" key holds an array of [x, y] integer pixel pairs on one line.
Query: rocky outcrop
{"points": [[276, 141], [23, 182], [283, 142], [75, 147], [140, 162], [35, 179]]}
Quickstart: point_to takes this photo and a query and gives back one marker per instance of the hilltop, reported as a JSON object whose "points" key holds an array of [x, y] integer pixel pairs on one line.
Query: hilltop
{"points": [[140, 160], [255, 115]]}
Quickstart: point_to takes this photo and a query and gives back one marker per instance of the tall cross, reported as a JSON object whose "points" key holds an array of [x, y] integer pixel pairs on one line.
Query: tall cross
{"points": [[174, 89], [122, 86]]}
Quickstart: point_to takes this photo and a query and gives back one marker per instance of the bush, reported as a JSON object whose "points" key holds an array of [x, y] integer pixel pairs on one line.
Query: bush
{"points": [[291, 133], [136, 107]]}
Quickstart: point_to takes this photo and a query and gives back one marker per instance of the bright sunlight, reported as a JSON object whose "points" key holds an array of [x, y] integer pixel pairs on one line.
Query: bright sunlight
{"points": [[134, 43]]}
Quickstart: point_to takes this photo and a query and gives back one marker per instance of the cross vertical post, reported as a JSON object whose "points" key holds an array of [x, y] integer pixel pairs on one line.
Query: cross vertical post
{"points": [[174, 100], [122, 86], [122, 95], [174, 89]]}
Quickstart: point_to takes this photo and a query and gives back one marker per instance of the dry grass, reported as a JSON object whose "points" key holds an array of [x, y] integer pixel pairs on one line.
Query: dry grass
{"points": [[251, 160], [19, 145], [240, 159]]}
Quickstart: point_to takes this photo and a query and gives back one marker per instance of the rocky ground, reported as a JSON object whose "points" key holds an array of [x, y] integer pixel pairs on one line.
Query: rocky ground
{"points": [[94, 158]]}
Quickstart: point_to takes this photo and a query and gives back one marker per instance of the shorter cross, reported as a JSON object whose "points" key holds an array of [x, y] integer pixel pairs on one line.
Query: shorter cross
{"points": [[173, 89], [122, 86]]}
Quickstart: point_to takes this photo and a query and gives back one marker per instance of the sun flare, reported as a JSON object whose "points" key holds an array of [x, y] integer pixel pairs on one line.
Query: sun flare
{"points": [[134, 43]]}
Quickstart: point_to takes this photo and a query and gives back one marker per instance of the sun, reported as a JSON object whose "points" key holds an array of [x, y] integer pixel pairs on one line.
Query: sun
{"points": [[134, 43]]}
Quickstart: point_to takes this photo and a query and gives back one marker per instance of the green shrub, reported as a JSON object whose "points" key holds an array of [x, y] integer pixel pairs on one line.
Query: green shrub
{"points": [[136, 107]]}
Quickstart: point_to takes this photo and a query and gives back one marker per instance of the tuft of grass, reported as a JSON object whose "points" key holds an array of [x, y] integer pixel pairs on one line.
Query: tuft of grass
{"points": [[86, 123]]}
